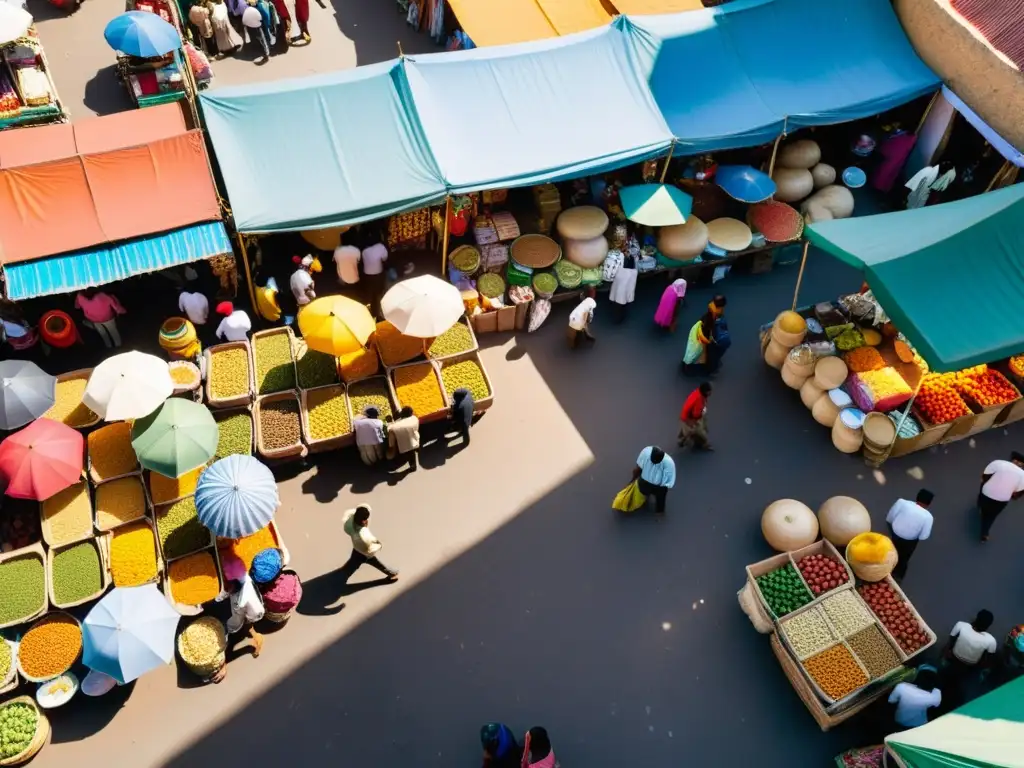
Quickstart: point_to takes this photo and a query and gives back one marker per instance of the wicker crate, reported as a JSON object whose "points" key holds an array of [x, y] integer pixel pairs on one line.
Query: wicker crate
{"points": [[474, 346], [191, 610], [158, 576], [224, 413], [147, 508], [932, 637], [385, 386], [159, 512], [481, 405], [253, 343], [102, 543], [822, 547], [12, 681], [829, 701], [286, 556], [436, 415], [328, 443], [33, 550], [81, 373], [45, 527], [228, 402], [94, 476], [39, 739], [52, 614], [295, 450]]}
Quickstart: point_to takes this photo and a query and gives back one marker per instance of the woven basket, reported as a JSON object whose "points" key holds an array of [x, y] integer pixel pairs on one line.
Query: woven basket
{"points": [[210, 668], [466, 259], [197, 378], [278, 618], [535, 251], [38, 740], [873, 571], [31, 679]]}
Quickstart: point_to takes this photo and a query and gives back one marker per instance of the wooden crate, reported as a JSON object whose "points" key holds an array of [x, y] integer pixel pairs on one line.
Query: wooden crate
{"points": [[102, 544], [33, 550], [244, 398], [191, 610], [81, 373], [481, 405], [474, 345], [1011, 413], [986, 419], [225, 413], [147, 507], [328, 443], [44, 523], [426, 418], [289, 451], [158, 576], [930, 435], [932, 637], [159, 512], [253, 343]]}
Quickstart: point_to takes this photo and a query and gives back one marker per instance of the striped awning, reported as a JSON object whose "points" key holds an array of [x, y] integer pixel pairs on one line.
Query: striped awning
{"points": [[82, 269]]}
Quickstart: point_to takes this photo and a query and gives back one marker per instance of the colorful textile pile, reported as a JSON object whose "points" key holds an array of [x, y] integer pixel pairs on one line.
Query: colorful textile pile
{"points": [[881, 390]]}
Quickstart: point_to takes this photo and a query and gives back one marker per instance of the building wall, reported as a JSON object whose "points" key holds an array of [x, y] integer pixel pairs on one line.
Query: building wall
{"points": [[986, 81]]}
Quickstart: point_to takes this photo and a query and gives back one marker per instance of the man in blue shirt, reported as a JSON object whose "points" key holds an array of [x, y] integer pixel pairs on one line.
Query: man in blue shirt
{"points": [[656, 473]]}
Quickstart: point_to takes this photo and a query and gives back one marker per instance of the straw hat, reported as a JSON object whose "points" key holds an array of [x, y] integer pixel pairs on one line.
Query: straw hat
{"points": [[585, 222], [729, 234], [683, 241]]}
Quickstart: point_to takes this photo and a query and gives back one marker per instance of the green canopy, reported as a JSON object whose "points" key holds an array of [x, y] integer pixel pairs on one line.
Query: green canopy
{"points": [[987, 733], [950, 276]]}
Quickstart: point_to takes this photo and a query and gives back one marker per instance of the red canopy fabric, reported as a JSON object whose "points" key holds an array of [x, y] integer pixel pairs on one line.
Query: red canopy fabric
{"points": [[67, 187]]}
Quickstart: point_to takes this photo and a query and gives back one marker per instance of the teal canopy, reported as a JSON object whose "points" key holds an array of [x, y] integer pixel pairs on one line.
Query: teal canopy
{"points": [[986, 733], [950, 276]]}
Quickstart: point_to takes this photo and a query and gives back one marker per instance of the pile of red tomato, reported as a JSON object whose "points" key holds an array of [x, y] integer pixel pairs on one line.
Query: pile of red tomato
{"points": [[895, 614], [822, 573]]}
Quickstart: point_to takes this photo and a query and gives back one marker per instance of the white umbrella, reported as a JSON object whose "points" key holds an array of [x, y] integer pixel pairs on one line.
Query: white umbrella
{"points": [[423, 307], [14, 22], [128, 386]]}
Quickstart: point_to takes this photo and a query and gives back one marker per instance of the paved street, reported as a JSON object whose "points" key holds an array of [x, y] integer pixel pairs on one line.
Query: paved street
{"points": [[524, 598]]}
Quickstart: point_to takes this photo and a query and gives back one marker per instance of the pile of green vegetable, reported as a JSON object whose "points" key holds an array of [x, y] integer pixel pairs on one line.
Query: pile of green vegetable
{"points": [[316, 369], [22, 588], [180, 531], [545, 282], [6, 659], [275, 370], [18, 723], [569, 275], [234, 435], [77, 573], [367, 392], [784, 590], [490, 285]]}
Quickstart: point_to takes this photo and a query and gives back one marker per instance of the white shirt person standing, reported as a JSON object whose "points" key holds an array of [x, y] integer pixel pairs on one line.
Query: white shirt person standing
{"points": [[236, 324], [1001, 482], [346, 261], [909, 522], [196, 306]]}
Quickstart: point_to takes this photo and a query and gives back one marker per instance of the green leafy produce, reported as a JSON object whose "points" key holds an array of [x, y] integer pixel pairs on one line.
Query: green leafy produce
{"points": [[180, 531], [316, 369], [18, 722], [275, 371], [466, 259], [5, 659], [456, 339], [545, 282], [362, 394], [784, 590], [22, 588], [229, 373], [76, 573], [569, 275], [327, 411], [234, 435], [490, 285]]}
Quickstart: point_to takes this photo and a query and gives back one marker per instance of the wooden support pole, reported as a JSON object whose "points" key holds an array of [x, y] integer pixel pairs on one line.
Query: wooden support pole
{"points": [[444, 240], [248, 271], [999, 175], [927, 111], [775, 148], [800, 274], [668, 161]]}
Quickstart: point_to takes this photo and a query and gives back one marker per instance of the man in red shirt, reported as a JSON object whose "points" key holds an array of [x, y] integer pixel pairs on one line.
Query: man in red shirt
{"points": [[692, 427]]}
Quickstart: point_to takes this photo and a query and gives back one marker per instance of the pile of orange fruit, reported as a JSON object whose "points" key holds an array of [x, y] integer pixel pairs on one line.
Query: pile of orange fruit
{"points": [[938, 402], [983, 386]]}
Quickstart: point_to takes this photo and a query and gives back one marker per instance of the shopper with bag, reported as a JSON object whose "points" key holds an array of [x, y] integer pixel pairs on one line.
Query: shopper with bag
{"points": [[693, 426], [655, 474]]}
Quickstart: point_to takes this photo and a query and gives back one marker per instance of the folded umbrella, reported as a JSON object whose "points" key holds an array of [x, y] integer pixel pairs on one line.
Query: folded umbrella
{"points": [[176, 438], [336, 325], [128, 386], [744, 183], [655, 205], [129, 633], [141, 33], [236, 496], [26, 393], [423, 307], [42, 459]]}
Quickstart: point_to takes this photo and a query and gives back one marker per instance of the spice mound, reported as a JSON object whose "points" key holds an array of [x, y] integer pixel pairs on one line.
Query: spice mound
{"points": [[110, 451], [229, 373], [275, 371], [234, 435], [456, 339], [180, 531], [395, 347], [50, 647], [836, 672], [133, 555], [167, 489], [279, 424], [194, 579], [67, 516], [316, 369], [247, 547], [119, 501], [327, 411], [417, 387], [18, 723], [22, 588], [363, 394], [465, 373], [76, 573], [202, 642], [67, 403], [283, 593]]}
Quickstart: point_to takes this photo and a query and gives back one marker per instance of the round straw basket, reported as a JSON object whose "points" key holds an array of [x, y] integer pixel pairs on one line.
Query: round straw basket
{"points": [[278, 618], [535, 251], [207, 669], [38, 739], [42, 620]]}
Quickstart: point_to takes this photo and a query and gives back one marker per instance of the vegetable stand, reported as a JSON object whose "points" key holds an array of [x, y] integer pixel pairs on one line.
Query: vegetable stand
{"points": [[28, 95]]}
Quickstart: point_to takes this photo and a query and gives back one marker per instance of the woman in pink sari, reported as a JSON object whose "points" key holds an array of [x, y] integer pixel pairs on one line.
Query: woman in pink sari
{"points": [[537, 751], [668, 307]]}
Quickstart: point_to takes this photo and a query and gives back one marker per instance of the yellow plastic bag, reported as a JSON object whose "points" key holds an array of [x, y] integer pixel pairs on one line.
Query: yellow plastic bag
{"points": [[629, 499]]}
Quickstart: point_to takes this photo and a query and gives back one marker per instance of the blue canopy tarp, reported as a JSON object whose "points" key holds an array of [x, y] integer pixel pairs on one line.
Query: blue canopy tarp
{"points": [[321, 151], [74, 271], [761, 66], [536, 112], [951, 276]]}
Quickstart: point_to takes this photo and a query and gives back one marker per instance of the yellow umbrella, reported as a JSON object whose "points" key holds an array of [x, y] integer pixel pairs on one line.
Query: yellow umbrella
{"points": [[336, 325], [324, 239]]}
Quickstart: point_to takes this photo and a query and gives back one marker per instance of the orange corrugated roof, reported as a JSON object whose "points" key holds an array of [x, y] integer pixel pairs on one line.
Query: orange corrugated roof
{"points": [[641, 7], [499, 22], [569, 16], [100, 181], [1001, 22]]}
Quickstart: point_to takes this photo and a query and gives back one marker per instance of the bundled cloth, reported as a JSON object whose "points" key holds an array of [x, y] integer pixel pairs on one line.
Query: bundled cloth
{"points": [[178, 339]]}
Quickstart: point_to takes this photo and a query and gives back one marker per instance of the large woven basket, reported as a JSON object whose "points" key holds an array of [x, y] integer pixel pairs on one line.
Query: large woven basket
{"points": [[535, 251], [209, 669], [38, 740], [873, 571]]}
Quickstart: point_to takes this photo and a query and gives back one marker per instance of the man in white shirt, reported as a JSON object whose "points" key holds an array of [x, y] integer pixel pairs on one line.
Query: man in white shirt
{"points": [[913, 700], [373, 258], [346, 261], [970, 647], [580, 319], [655, 473], [1001, 482], [195, 305], [909, 522], [301, 281], [236, 324]]}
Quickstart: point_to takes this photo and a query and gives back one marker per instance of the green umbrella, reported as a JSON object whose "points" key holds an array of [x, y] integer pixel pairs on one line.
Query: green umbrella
{"points": [[656, 205], [176, 438]]}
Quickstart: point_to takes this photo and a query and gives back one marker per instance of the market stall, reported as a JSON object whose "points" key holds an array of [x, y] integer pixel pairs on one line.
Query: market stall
{"points": [[842, 630], [28, 95], [929, 354]]}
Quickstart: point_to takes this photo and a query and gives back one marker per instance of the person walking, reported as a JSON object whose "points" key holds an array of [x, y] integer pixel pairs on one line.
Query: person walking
{"points": [[500, 747], [655, 473], [404, 437], [623, 290], [697, 360], [581, 318], [909, 522], [969, 649], [462, 413], [667, 313], [228, 40], [101, 311], [302, 19], [1001, 482], [246, 609], [913, 700], [537, 751], [258, 25], [365, 545], [693, 426], [369, 431]]}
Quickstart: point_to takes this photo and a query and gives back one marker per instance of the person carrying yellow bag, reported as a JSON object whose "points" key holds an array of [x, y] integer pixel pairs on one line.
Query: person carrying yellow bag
{"points": [[629, 499]]}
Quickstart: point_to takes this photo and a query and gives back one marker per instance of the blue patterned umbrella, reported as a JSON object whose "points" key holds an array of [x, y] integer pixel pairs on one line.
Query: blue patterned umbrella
{"points": [[236, 497], [743, 183]]}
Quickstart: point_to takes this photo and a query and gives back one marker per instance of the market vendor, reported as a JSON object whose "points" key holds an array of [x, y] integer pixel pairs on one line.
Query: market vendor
{"points": [[581, 318], [369, 431], [246, 610], [236, 324], [301, 281]]}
